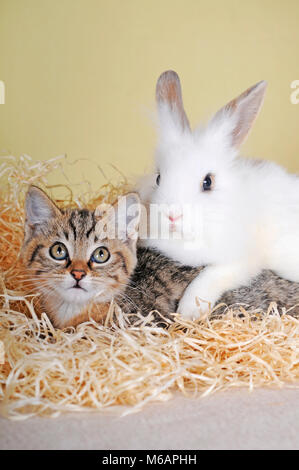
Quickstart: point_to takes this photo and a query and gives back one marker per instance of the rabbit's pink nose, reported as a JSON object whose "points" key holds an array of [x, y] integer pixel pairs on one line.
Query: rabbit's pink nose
{"points": [[175, 218]]}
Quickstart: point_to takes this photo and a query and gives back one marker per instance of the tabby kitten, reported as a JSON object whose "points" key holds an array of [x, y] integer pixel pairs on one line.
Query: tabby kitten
{"points": [[72, 262]]}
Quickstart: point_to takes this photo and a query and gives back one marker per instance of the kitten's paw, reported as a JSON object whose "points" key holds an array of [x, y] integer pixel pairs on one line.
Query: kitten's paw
{"points": [[192, 308]]}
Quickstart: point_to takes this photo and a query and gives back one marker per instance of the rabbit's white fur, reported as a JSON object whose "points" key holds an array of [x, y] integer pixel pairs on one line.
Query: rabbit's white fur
{"points": [[248, 221]]}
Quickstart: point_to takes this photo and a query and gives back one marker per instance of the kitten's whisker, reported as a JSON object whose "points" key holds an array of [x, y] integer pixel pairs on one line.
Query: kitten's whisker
{"points": [[137, 288], [127, 299]]}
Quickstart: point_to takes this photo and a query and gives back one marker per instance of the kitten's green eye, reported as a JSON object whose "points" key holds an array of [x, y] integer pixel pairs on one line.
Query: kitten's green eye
{"points": [[100, 255], [58, 251]]}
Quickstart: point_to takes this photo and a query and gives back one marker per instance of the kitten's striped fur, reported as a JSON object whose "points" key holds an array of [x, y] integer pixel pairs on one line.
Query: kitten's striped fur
{"points": [[161, 283]]}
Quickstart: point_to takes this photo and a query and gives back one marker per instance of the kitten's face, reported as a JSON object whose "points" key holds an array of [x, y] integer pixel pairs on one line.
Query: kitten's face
{"points": [[69, 261]]}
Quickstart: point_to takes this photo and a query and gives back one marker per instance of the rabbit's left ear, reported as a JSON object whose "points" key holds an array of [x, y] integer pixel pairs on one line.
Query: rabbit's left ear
{"points": [[240, 113], [169, 97]]}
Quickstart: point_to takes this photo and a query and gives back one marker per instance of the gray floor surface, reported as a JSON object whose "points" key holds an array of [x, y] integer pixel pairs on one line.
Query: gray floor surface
{"points": [[236, 419]]}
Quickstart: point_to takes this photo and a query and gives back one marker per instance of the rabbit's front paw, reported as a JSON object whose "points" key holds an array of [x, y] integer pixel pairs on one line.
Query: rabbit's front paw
{"points": [[192, 307]]}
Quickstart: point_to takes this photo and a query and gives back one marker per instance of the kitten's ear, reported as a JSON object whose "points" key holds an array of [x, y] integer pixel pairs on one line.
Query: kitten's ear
{"points": [[120, 221], [170, 101], [39, 208], [128, 212], [239, 114]]}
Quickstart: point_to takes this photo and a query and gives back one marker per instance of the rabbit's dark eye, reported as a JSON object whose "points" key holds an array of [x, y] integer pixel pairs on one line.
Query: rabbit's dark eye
{"points": [[207, 183], [158, 179]]}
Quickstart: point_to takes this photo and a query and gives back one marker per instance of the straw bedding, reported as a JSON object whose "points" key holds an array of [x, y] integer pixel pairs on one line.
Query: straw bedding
{"points": [[46, 371]]}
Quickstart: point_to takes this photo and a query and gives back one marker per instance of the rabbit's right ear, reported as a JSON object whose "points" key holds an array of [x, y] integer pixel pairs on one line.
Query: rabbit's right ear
{"points": [[240, 113], [170, 101]]}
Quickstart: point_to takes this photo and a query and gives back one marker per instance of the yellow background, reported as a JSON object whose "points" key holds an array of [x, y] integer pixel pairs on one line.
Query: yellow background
{"points": [[80, 75]]}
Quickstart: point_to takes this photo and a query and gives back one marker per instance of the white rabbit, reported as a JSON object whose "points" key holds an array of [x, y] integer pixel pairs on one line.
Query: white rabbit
{"points": [[243, 214]]}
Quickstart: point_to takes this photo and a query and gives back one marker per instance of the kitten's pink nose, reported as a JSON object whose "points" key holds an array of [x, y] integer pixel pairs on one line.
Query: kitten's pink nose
{"points": [[78, 274], [175, 218]]}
